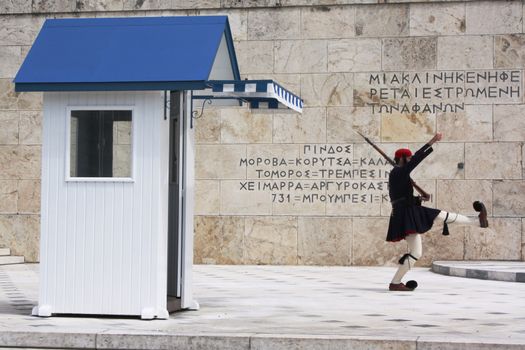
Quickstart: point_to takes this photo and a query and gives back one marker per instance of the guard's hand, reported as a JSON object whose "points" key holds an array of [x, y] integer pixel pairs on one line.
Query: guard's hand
{"points": [[437, 137]]}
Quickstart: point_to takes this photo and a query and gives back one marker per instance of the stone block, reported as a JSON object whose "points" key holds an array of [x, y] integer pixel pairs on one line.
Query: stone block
{"points": [[43, 6], [123, 131], [218, 240], [138, 5], [324, 241], [354, 55], [219, 161], [384, 20], [31, 129], [207, 197], [327, 22], [409, 53], [29, 196], [487, 243], [465, 52], [333, 89], [437, 247], [20, 30], [474, 123], [277, 23], [161, 340], [20, 162], [437, 19], [493, 161], [238, 19], [191, 4], [369, 246], [261, 153], [300, 56], [9, 127], [240, 125], [494, 17], [365, 154], [509, 124], [509, 198], [30, 100], [255, 56], [308, 201], [234, 200], [14, 6], [11, 58], [361, 198], [413, 127], [457, 196], [308, 127], [21, 233], [428, 342], [101, 5], [482, 87], [442, 163], [509, 51], [8, 196], [342, 122], [270, 240], [121, 160], [318, 342], [208, 126], [9, 99]]}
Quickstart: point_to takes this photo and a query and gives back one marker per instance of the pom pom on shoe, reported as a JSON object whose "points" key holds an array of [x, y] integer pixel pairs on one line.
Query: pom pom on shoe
{"points": [[411, 284], [478, 206]]}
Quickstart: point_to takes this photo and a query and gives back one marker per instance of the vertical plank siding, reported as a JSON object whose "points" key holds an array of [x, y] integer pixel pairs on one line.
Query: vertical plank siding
{"points": [[103, 243]]}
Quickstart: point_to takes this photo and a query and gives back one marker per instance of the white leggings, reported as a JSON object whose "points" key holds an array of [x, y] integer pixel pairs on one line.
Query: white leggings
{"points": [[415, 247]]}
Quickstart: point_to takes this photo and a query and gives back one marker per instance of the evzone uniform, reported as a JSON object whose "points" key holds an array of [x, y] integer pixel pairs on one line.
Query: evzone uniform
{"points": [[409, 219]]}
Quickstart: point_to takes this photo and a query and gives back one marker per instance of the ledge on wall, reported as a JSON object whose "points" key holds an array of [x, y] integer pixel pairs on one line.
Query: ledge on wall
{"points": [[85, 6]]}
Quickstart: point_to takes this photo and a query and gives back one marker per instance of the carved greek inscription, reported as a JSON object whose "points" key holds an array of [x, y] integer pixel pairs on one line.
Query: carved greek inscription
{"points": [[437, 91], [323, 173]]}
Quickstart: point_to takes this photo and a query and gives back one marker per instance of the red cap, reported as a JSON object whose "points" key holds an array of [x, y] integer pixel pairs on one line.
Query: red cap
{"points": [[403, 152]]}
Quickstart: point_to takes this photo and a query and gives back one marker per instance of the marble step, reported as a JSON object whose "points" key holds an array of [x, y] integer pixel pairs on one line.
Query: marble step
{"points": [[509, 271], [5, 251], [7, 260]]}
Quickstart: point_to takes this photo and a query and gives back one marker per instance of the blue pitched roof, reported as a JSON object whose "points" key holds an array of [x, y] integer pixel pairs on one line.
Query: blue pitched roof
{"points": [[137, 53]]}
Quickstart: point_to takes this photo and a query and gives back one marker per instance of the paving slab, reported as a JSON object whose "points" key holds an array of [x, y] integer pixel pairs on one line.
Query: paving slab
{"points": [[287, 307], [509, 271]]}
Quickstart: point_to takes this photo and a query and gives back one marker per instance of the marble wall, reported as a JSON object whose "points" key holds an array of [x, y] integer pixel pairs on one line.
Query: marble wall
{"points": [[326, 51]]}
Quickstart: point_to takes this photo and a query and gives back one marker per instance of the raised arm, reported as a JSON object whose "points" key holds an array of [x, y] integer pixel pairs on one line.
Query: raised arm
{"points": [[422, 153]]}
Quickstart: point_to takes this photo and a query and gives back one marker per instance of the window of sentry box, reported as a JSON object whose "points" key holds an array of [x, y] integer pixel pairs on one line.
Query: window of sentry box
{"points": [[100, 144]]}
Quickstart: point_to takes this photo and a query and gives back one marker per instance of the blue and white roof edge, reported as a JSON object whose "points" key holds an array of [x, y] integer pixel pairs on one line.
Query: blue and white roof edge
{"points": [[258, 93]]}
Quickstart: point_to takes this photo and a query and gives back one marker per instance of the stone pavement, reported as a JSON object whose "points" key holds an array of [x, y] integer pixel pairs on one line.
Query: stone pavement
{"points": [[280, 307], [511, 271]]}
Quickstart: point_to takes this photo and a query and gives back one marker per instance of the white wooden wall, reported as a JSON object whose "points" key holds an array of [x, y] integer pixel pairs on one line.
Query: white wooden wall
{"points": [[103, 244]]}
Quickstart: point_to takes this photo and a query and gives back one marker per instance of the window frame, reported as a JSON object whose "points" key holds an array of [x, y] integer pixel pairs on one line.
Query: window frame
{"points": [[69, 109]]}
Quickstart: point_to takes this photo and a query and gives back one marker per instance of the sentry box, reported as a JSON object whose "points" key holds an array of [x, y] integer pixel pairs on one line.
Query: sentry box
{"points": [[118, 155]]}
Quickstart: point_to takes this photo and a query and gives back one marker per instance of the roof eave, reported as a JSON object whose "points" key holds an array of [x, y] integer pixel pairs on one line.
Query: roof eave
{"points": [[111, 86]]}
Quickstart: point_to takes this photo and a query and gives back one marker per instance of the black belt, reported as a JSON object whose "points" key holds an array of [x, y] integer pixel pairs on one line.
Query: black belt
{"points": [[395, 201]]}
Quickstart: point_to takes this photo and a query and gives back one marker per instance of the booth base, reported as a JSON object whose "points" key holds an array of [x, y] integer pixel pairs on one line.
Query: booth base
{"points": [[283, 307]]}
